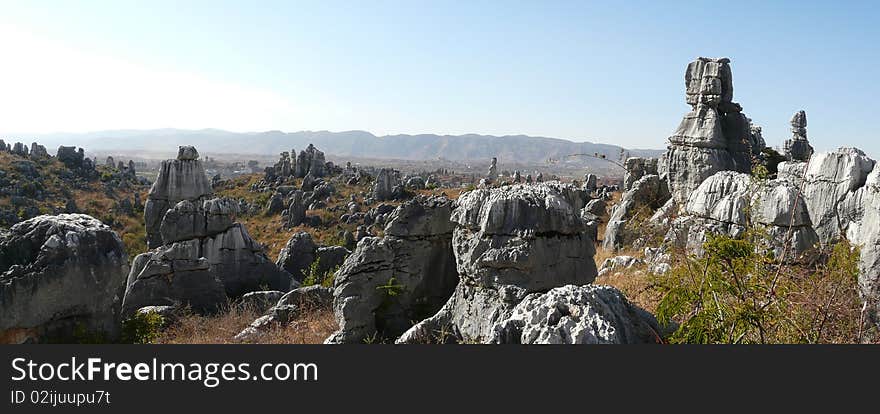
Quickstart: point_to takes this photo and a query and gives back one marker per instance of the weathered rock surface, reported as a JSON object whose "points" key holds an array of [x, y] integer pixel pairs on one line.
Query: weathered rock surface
{"points": [[798, 148], [260, 300], [310, 161], [387, 185], [297, 255], [861, 209], [202, 272], [618, 263], [721, 205], [509, 242], [636, 168], [58, 274], [577, 315], [407, 275], [188, 221], [296, 212], [647, 194], [714, 136], [178, 180], [829, 177], [291, 305]]}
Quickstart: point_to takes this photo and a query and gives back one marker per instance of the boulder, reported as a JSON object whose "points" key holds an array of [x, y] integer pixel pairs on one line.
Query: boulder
{"points": [[275, 204], [202, 272], [60, 275], [509, 242], [261, 300], [577, 315], [296, 212], [291, 305], [297, 255], [406, 276]]}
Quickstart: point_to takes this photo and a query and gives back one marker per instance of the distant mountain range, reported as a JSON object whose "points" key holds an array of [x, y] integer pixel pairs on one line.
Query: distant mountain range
{"points": [[362, 144]]}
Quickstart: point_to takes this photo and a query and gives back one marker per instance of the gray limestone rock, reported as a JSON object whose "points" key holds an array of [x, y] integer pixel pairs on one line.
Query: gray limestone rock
{"points": [[59, 274], [387, 185], [178, 180], [828, 178], [296, 212], [798, 148], [38, 152], [728, 202], [714, 136], [406, 276], [577, 315], [636, 168], [509, 242], [647, 194], [297, 255], [202, 272]]}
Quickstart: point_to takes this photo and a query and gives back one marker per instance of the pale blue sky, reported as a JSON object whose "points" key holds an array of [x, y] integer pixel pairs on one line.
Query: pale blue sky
{"points": [[599, 71]]}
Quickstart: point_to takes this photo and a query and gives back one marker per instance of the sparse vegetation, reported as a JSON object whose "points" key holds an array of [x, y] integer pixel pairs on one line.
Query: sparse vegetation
{"points": [[311, 327]]}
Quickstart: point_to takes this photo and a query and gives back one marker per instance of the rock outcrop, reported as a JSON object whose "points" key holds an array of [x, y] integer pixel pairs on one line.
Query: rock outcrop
{"points": [[828, 178], [577, 315], [636, 168], [509, 242], [798, 148], [180, 179], [714, 136], [60, 276], [203, 256], [729, 202], [492, 174], [406, 276], [387, 185], [645, 195], [310, 162]]}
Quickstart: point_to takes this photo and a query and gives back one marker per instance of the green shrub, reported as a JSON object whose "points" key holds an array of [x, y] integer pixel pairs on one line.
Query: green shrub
{"points": [[737, 294], [142, 328]]}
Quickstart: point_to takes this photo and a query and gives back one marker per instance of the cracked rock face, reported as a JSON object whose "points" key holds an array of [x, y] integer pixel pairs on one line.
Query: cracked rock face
{"points": [[577, 315], [509, 242], [728, 201], [201, 255], [180, 179], [57, 274], [636, 168], [862, 209], [387, 283], [714, 136], [202, 272], [829, 177], [648, 193]]}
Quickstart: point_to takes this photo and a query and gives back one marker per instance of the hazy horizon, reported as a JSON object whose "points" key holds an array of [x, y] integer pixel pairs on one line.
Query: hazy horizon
{"points": [[579, 71]]}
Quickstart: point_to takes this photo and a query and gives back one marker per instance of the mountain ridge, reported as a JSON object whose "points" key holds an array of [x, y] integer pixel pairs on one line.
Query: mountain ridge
{"points": [[353, 143]]}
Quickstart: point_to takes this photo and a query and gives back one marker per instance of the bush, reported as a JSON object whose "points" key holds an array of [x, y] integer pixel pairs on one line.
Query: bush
{"points": [[142, 328], [315, 277], [736, 294]]}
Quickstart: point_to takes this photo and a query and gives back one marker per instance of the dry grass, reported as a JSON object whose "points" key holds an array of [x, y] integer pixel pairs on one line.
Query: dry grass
{"points": [[312, 327], [634, 282]]}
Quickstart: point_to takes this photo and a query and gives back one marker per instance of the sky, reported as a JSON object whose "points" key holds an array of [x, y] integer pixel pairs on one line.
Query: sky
{"points": [[610, 72]]}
